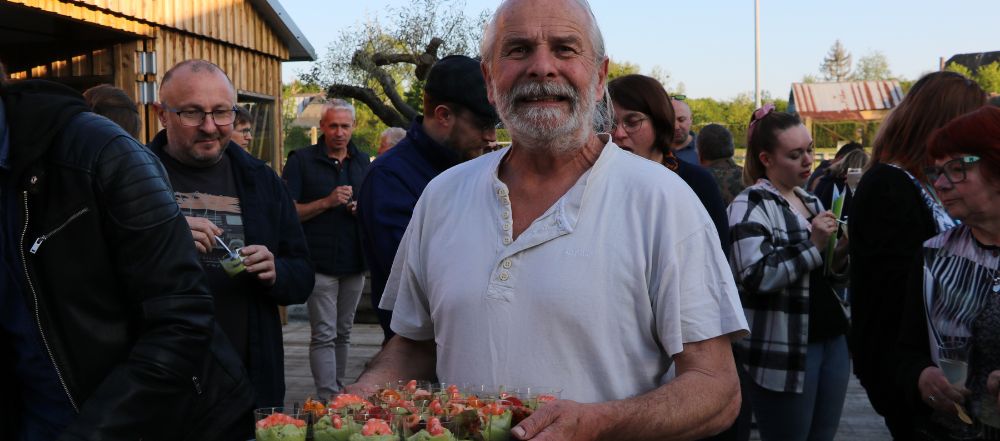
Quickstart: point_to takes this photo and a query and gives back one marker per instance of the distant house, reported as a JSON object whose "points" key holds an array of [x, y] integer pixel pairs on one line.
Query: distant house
{"points": [[850, 101], [974, 61], [131, 44]]}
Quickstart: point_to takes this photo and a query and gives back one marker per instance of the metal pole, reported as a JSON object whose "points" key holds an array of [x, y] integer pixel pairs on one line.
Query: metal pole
{"points": [[756, 47]]}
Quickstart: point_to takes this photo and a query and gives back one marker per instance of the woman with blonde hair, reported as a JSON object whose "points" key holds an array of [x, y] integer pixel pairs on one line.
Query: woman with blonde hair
{"points": [[892, 214]]}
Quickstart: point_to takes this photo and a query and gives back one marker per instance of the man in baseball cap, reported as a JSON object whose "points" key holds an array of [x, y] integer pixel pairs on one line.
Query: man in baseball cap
{"points": [[458, 124]]}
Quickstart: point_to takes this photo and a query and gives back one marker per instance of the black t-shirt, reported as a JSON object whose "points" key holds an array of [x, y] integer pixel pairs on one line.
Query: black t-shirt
{"points": [[827, 317], [211, 193]]}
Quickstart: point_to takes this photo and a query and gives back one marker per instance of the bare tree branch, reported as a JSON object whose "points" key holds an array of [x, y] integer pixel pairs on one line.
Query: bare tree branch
{"points": [[364, 61], [385, 113], [381, 59]]}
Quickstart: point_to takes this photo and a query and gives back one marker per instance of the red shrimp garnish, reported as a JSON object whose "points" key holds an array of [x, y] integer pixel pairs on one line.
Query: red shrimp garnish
{"points": [[376, 426], [279, 419], [434, 427]]}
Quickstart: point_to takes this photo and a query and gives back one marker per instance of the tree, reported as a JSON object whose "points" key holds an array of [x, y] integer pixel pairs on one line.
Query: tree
{"points": [[621, 69], [377, 64], [874, 66], [959, 68], [837, 64], [661, 75], [809, 79], [988, 77]]}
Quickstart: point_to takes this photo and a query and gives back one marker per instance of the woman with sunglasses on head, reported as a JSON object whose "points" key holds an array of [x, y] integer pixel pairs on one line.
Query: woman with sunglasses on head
{"points": [[644, 124], [796, 354], [960, 281], [892, 213]]}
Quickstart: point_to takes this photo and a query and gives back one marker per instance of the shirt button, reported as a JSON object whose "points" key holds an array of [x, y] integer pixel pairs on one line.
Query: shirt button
{"points": [[504, 276], [506, 241], [505, 214], [505, 200], [506, 226], [507, 263], [502, 192]]}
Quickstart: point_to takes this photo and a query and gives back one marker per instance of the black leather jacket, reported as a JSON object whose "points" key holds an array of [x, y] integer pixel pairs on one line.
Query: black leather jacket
{"points": [[122, 304]]}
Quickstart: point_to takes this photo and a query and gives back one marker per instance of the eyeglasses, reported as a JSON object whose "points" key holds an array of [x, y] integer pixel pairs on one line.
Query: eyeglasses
{"points": [[245, 132], [194, 118], [953, 171], [630, 125]]}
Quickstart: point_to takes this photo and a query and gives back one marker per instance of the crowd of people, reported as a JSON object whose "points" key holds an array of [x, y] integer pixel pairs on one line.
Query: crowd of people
{"points": [[609, 251]]}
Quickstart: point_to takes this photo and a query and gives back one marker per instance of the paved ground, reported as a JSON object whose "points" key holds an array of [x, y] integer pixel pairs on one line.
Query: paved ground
{"points": [[858, 423]]}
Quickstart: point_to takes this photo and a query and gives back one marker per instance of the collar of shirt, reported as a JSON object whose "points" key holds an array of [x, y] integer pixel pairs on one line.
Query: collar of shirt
{"points": [[4, 140]]}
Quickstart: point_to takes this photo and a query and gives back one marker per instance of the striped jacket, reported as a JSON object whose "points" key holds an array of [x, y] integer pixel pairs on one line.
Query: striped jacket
{"points": [[771, 259]]}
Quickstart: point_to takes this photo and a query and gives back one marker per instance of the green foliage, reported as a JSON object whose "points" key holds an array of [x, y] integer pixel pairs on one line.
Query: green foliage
{"points": [[621, 69], [958, 68], [296, 138], [988, 77], [414, 95], [733, 114], [874, 66], [367, 130]]}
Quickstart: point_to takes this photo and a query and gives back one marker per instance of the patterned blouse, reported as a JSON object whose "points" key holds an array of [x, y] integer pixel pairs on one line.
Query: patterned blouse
{"points": [[962, 300], [771, 259]]}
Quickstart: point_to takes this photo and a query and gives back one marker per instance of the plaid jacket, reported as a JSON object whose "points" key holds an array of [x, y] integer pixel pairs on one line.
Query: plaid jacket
{"points": [[771, 259]]}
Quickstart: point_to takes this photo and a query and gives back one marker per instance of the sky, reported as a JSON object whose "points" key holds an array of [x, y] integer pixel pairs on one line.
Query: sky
{"points": [[708, 45]]}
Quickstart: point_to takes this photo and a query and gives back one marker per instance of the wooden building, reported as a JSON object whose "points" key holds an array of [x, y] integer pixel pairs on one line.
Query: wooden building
{"points": [[132, 43], [821, 104]]}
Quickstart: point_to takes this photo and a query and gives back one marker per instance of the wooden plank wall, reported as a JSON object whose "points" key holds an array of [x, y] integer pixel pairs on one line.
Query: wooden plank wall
{"points": [[232, 21], [82, 12]]}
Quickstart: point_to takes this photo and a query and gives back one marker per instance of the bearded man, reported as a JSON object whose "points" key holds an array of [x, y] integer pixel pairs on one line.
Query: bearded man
{"points": [[565, 261]]}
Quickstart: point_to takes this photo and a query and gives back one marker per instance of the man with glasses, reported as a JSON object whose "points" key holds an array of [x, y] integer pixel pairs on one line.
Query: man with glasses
{"points": [[242, 221], [684, 144], [243, 128], [458, 124], [322, 179]]}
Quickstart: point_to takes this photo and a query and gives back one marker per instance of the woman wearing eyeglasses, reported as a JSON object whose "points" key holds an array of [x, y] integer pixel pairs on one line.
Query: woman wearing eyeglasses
{"points": [[796, 354], [960, 280], [892, 213], [644, 125]]}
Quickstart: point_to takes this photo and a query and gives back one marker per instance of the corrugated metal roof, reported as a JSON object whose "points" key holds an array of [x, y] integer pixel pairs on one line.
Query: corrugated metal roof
{"points": [[844, 101]]}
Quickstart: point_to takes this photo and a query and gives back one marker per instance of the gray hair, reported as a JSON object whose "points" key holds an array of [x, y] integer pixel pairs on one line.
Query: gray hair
{"points": [[715, 142], [490, 33], [393, 134], [603, 114], [338, 104]]}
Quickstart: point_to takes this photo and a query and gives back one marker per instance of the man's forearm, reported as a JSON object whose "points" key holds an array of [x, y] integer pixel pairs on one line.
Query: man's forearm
{"points": [[312, 209], [401, 359], [701, 401]]}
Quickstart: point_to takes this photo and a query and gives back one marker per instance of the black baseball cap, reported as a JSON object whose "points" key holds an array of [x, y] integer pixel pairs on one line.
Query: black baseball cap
{"points": [[458, 79]]}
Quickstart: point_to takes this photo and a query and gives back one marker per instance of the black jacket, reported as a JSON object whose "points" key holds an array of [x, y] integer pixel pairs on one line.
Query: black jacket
{"points": [[122, 303], [334, 236], [269, 219]]}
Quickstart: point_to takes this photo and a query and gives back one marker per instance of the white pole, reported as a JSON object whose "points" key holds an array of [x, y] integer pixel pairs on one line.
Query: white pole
{"points": [[756, 46]]}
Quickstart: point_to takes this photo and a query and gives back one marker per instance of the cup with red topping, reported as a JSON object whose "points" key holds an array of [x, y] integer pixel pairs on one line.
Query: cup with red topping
{"points": [[275, 424]]}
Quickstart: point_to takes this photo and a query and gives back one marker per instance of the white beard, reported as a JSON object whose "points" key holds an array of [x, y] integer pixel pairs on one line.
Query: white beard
{"points": [[551, 130]]}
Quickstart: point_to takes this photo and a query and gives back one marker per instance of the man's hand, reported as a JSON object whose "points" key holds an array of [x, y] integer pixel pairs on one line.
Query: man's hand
{"points": [[340, 195], [260, 262], [204, 232], [563, 420]]}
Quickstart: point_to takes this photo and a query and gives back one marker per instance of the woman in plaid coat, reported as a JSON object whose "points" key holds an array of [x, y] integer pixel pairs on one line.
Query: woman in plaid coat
{"points": [[796, 355]]}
